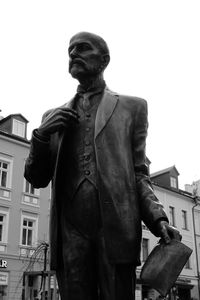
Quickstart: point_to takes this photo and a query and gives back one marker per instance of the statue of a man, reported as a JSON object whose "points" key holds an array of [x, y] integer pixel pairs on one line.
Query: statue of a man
{"points": [[93, 151]]}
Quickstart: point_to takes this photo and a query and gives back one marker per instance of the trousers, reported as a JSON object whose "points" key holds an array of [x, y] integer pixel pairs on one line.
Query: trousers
{"points": [[85, 272]]}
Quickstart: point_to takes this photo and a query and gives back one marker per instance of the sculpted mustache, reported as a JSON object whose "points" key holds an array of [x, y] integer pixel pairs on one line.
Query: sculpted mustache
{"points": [[77, 61]]}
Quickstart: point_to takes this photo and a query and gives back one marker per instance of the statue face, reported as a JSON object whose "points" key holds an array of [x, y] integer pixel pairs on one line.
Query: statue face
{"points": [[85, 57]]}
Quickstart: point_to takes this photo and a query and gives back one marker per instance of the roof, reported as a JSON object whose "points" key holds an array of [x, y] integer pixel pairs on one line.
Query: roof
{"points": [[14, 137], [13, 115], [177, 191], [167, 170]]}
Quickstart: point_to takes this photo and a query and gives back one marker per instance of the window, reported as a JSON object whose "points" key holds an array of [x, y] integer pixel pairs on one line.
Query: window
{"points": [[197, 221], [145, 249], [172, 215], [173, 182], [184, 219], [31, 195], [4, 280], [18, 128], [29, 188], [4, 173], [188, 264], [29, 230], [3, 225]]}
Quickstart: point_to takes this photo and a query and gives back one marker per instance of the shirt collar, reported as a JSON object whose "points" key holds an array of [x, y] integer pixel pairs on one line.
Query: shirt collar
{"points": [[96, 87]]}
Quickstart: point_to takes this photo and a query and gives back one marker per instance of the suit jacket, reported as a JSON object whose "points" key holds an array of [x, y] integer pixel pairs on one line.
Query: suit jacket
{"points": [[125, 193]]}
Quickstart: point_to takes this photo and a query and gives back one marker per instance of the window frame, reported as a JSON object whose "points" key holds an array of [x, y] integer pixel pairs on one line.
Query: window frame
{"points": [[184, 219], [197, 221], [29, 198], [4, 170], [173, 182], [30, 186], [15, 128], [188, 264], [33, 218], [5, 214], [8, 161], [172, 219]]}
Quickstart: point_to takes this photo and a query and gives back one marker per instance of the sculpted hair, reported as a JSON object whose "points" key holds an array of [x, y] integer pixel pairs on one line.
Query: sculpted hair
{"points": [[96, 39]]}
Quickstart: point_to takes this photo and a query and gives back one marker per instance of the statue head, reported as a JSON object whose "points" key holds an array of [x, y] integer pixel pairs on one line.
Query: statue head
{"points": [[88, 55]]}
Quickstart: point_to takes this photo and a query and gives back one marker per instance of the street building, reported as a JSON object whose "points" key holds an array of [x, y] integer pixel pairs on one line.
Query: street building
{"points": [[24, 212], [24, 218], [183, 211]]}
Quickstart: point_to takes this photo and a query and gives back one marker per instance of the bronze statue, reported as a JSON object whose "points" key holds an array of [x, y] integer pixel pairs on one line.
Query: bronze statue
{"points": [[93, 150]]}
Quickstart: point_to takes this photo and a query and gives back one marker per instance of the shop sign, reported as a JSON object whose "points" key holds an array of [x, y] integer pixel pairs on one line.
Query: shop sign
{"points": [[3, 264], [3, 278]]}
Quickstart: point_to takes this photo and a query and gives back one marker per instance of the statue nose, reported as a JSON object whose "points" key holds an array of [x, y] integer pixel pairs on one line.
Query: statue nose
{"points": [[73, 53]]}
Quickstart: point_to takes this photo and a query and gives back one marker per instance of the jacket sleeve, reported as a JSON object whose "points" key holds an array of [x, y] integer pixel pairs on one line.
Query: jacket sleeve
{"points": [[40, 164], [151, 209]]}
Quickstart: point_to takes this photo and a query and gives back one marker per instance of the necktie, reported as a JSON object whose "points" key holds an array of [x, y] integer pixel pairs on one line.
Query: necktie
{"points": [[86, 101]]}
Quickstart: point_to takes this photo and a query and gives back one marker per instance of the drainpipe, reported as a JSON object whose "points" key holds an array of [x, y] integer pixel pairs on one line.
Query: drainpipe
{"points": [[195, 242]]}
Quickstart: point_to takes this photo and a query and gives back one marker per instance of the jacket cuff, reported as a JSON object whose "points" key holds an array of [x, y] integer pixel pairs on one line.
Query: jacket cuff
{"points": [[156, 224], [39, 147], [41, 138]]}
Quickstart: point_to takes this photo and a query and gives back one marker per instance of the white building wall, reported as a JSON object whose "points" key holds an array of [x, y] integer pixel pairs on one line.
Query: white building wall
{"points": [[180, 202], [13, 208]]}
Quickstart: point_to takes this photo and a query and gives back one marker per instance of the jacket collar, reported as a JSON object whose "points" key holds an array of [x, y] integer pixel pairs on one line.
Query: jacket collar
{"points": [[97, 86], [104, 111]]}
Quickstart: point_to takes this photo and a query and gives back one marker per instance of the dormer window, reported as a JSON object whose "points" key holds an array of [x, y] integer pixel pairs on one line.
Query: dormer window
{"points": [[18, 128], [173, 182]]}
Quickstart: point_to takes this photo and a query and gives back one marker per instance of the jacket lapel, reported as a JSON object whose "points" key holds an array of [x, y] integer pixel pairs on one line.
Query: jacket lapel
{"points": [[69, 104], [105, 110]]}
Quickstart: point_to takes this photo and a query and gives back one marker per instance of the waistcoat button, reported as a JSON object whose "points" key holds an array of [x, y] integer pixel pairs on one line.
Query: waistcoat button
{"points": [[87, 172]]}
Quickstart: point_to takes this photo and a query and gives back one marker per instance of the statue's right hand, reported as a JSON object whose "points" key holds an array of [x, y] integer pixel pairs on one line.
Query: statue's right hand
{"points": [[58, 120]]}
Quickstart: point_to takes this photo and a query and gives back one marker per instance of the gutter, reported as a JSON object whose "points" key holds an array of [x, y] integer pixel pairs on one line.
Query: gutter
{"points": [[195, 242]]}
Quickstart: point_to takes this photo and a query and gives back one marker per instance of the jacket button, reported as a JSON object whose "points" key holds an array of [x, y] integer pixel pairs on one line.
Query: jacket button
{"points": [[87, 172], [87, 129], [87, 157], [87, 143]]}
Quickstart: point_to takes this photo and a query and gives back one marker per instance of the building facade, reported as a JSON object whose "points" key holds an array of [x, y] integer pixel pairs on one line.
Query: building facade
{"points": [[24, 218], [180, 207], [24, 211], [194, 188]]}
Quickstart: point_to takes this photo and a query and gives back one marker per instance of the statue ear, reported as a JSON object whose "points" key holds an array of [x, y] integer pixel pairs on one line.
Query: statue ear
{"points": [[105, 60]]}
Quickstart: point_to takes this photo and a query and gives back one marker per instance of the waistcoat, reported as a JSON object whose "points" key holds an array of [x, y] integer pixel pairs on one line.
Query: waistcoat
{"points": [[83, 143], [83, 211]]}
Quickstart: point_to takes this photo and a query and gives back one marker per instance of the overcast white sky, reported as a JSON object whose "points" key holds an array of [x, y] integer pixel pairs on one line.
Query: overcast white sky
{"points": [[155, 54]]}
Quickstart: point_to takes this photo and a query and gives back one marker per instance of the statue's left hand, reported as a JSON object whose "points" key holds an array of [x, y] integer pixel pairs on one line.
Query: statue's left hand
{"points": [[167, 232]]}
